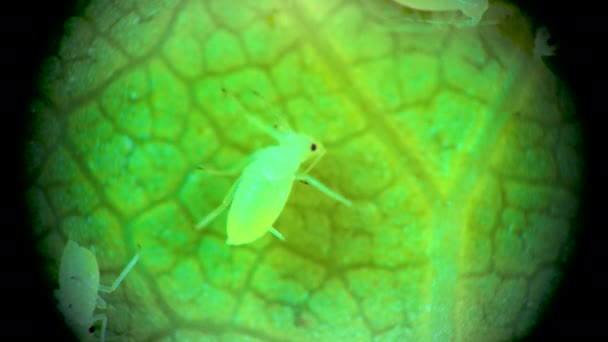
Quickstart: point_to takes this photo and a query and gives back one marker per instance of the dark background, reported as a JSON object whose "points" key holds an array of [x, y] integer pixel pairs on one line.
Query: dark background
{"points": [[32, 31]]}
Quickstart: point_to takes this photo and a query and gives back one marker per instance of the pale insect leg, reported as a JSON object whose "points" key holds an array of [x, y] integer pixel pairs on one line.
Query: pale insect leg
{"points": [[123, 274], [255, 121], [101, 303], [276, 233], [308, 179], [217, 211], [104, 323], [235, 169]]}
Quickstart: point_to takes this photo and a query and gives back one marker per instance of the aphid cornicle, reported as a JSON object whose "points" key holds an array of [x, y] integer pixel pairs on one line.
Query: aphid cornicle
{"points": [[258, 196], [78, 295]]}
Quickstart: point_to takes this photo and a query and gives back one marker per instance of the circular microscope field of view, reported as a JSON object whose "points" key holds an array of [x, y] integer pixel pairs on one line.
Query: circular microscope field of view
{"points": [[319, 170]]}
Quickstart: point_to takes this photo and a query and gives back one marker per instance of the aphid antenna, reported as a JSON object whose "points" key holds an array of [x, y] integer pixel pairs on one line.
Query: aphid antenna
{"points": [[275, 133], [273, 110], [320, 154]]}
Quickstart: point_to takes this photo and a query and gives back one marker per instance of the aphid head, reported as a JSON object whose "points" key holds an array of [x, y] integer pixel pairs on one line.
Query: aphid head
{"points": [[303, 147]]}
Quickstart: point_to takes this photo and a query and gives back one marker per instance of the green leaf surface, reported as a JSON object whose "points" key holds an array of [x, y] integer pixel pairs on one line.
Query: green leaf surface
{"points": [[458, 151]]}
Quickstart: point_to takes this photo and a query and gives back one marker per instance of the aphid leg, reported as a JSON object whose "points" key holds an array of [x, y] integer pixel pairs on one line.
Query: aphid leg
{"points": [[234, 170], [276, 233], [101, 303], [216, 172], [123, 274], [217, 211], [308, 179], [104, 323]]}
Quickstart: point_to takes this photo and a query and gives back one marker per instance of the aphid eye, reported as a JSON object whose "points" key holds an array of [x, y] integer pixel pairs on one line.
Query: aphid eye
{"points": [[313, 147], [92, 329]]}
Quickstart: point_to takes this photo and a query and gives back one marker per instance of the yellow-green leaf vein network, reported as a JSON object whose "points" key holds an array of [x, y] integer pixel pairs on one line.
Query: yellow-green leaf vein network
{"points": [[456, 146]]}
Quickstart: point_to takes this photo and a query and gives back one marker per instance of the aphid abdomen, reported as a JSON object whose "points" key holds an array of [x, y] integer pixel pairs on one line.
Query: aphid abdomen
{"points": [[430, 5], [78, 280], [257, 203], [473, 9], [75, 307], [77, 260]]}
